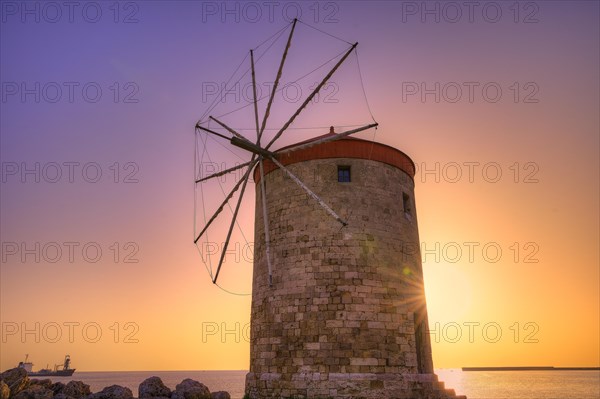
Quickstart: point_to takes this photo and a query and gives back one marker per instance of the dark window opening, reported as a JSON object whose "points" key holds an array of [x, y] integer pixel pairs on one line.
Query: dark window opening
{"points": [[406, 204], [344, 174]]}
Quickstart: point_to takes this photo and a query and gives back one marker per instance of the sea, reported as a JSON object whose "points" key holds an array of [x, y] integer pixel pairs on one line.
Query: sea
{"points": [[556, 384]]}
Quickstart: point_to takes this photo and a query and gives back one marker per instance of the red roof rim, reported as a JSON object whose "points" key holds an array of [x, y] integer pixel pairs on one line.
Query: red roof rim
{"points": [[376, 158]]}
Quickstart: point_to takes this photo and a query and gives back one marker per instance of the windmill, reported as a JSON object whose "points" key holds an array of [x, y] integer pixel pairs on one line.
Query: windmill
{"points": [[261, 151], [342, 313]]}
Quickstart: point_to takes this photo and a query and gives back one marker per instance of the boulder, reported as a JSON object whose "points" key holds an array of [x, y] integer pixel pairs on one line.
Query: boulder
{"points": [[153, 387], [57, 387], [16, 379], [46, 383], [4, 390], [190, 389], [220, 395], [112, 392], [34, 392], [76, 389]]}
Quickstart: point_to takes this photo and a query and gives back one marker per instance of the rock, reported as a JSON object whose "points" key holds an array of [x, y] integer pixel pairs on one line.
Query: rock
{"points": [[76, 389], [57, 387], [220, 395], [34, 392], [153, 387], [46, 383], [113, 392], [4, 390], [190, 389], [16, 379]]}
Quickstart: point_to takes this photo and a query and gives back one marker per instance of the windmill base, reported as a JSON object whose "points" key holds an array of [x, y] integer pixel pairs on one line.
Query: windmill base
{"points": [[347, 385]]}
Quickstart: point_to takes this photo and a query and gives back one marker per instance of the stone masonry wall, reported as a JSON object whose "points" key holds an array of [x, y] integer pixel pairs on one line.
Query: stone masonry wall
{"points": [[347, 302]]}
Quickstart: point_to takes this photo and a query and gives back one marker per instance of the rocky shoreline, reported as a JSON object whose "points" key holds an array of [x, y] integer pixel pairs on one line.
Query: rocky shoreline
{"points": [[16, 384]]}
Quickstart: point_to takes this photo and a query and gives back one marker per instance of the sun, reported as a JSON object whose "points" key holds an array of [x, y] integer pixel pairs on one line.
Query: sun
{"points": [[449, 292]]}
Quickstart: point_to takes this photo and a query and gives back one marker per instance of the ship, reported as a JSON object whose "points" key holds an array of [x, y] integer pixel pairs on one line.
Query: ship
{"points": [[65, 371]]}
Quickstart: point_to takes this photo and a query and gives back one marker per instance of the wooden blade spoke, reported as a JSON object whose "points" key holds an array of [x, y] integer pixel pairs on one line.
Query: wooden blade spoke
{"points": [[211, 132], [326, 139], [220, 209], [254, 97], [233, 220], [229, 129], [309, 192], [266, 221], [224, 172], [276, 83], [310, 97]]}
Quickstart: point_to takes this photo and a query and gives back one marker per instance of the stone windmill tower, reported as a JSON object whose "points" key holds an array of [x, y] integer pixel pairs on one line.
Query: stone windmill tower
{"points": [[345, 315], [338, 304]]}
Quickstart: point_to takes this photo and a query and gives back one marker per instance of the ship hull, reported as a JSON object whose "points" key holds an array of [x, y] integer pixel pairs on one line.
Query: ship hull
{"points": [[58, 373]]}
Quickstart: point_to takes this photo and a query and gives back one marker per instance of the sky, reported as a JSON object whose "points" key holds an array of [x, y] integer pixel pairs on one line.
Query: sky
{"points": [[495, 101]]}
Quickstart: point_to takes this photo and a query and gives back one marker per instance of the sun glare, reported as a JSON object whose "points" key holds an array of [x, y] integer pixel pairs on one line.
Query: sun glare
{"points": [[448, 291]]}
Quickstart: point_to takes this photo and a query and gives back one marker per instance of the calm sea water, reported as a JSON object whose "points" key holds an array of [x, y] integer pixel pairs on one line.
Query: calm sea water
{"points": [[474, 384]]}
